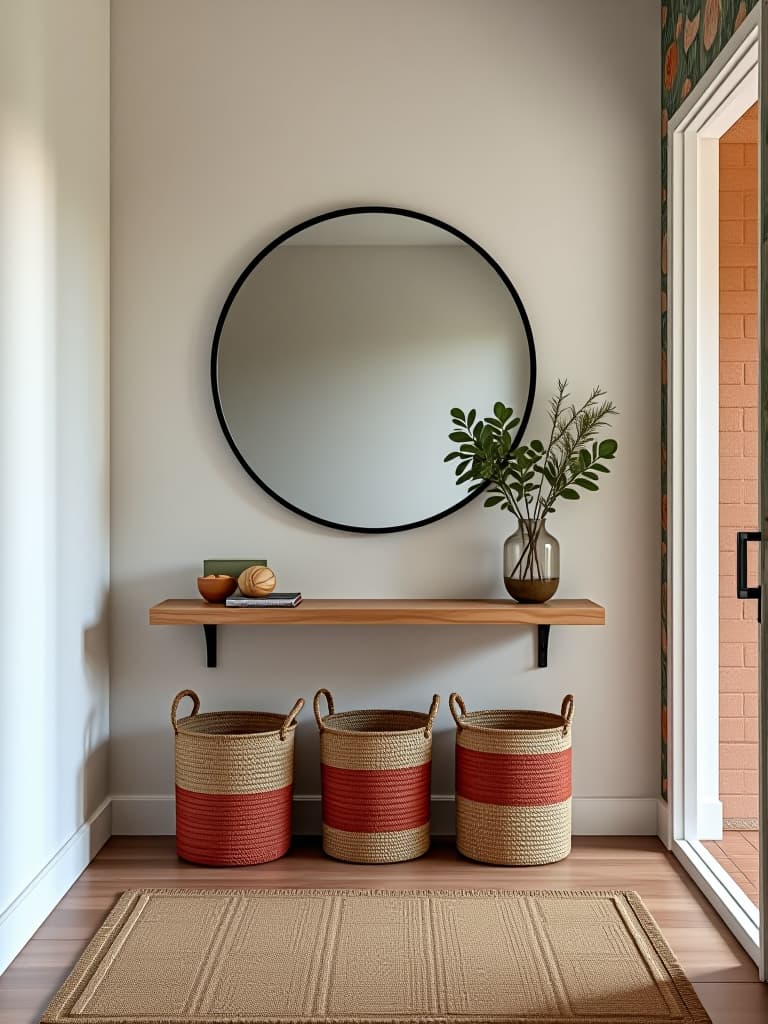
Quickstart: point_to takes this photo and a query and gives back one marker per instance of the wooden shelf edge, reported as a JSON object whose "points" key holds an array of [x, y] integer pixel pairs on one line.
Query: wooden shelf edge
{"points": [[329, 612]]}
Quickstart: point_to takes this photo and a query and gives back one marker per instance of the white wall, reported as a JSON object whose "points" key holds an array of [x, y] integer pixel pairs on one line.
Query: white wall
{"points": [[531, 126], [54, 514]]}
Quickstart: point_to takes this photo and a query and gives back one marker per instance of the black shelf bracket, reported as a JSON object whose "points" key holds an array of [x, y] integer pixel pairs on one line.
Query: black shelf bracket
{"points": [[543, 631], [210, 644]]}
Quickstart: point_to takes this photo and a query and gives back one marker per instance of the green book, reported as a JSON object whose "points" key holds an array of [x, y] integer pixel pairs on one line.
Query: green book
{"points": [[229, 566]]}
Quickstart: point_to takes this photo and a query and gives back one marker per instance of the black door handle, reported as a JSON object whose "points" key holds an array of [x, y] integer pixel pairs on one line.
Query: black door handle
{"points": [[743, 590]]}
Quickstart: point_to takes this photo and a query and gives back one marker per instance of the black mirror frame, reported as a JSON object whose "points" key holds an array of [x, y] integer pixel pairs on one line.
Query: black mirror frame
{"points": [[319, 219]]}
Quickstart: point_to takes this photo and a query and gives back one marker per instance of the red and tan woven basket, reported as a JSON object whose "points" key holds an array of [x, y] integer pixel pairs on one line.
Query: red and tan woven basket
{"points": [[234, 784], [513, 784], [376, 772]]}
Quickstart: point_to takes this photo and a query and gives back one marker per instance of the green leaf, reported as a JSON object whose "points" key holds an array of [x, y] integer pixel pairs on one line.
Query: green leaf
{"points": [[472, 415], [600, 467], [457, 414], [586, 484], [467, 476], [451, 456], [459, 435], [537, 446], [500, 411], [493, 500], [607, 448], [570, 494]]}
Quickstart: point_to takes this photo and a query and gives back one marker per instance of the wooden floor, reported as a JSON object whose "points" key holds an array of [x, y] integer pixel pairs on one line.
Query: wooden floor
{"points": [[739, 853], [724, 977]]}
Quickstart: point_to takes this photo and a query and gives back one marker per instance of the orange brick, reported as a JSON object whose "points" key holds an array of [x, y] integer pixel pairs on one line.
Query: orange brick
{"points": [[737, 348], [731, 781], [732, 419], [750, 155], [737, 255], [733, 518], [731, 493], [731, 730], [751, 444], [750, 705], [751, 372], [731, 205], [731, 154], [750, 420], [737, 469], [751, 775], [750, 232], [738, 302], [732, 279], [738, 680], [735, 755], [750, 326], [732, 444], [749, 279], [730, 608], [731, 705], [750, 655], [742, 807], [737, 179], [737, 394], [749, 201], [732, 231], [751, 730], [731, 656], [731, 373]]}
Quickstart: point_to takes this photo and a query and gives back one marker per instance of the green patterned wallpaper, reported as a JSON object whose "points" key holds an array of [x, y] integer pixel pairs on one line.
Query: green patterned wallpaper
{"points": [[693, 32]]}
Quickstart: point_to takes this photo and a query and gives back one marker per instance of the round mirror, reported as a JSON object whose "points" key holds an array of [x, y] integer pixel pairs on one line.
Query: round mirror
{"points": [[341, 350]]}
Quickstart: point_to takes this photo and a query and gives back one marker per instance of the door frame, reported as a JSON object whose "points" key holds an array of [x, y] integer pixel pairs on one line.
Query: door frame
{"points": [[728, 88]]}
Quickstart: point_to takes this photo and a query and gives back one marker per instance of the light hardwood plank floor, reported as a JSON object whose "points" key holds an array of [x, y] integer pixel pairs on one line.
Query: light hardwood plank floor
{"points": [[724, 977]]}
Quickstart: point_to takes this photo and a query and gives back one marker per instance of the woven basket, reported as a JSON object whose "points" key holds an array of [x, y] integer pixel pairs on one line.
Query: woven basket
{"points": [[513, 784], [376, 769], [234, 784]]}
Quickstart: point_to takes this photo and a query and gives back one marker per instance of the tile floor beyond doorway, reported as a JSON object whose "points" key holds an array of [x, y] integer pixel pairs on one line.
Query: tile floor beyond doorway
{"points": [[738, 853]]}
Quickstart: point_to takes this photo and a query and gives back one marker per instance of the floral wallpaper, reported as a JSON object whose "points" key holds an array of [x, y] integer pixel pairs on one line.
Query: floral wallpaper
{"points": [[693, 32]]}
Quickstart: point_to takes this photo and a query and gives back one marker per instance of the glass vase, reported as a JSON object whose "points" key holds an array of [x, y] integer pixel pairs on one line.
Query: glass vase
{"points": [[531, 562]]}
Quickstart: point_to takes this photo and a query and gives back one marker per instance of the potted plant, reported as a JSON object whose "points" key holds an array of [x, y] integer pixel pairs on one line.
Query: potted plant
{"points": [[530, 479]]}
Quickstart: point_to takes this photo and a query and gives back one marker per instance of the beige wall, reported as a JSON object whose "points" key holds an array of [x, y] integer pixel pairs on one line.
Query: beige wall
{"points": [[54, 457], [532, 127], [738, 464]]}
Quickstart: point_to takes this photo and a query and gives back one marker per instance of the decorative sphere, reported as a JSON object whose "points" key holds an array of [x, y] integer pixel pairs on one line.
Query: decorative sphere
{"points": [[257, 581]]}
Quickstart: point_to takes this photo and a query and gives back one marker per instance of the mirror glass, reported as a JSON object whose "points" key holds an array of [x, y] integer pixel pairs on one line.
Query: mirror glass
{"points": [[340, 352]]}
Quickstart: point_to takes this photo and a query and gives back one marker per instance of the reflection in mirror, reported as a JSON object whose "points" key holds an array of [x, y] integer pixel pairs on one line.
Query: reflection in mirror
{"points": [[340, 353]]}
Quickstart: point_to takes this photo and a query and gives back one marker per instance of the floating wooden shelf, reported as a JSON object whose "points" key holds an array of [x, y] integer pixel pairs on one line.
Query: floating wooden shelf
{"points": [[334, 612]]}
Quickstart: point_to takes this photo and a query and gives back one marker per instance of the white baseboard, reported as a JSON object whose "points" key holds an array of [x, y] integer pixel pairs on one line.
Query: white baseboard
{"points": [[23, 917], [592, 816]]}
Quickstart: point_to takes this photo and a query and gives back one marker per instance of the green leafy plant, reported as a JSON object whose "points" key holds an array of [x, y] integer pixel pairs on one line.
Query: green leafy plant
{"points": [[530, 479]]}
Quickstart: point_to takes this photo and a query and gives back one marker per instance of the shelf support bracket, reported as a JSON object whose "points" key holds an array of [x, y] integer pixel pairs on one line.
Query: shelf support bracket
{"points": [[210, 644], [543, 631]]}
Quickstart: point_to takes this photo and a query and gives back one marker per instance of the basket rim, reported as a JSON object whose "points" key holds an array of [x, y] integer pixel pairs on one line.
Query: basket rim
{"points": [[419, 716], [207, 716], [465, 722]]}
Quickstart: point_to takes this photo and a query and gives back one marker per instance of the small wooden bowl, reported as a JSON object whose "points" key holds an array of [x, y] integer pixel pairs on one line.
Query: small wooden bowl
{"points": [[217, 590]]}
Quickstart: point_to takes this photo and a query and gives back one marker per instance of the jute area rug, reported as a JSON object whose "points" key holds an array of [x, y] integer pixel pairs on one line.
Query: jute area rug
{"points": [[293, 956]]}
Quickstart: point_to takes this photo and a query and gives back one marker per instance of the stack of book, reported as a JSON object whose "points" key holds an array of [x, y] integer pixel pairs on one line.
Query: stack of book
{"points": [[273, 600]]}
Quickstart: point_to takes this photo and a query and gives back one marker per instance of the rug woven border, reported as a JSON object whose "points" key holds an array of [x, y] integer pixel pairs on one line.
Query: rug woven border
{"points": [[91, 957]]}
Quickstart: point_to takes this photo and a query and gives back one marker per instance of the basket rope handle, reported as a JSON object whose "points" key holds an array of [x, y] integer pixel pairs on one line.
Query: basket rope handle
{"points": [[456, 701], [434, 707], [316, 705], [566, 712], [175, 706], [291, 717]]}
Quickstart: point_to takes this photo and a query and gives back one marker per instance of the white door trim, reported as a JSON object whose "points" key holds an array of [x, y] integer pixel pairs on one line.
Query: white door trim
{"points": [[725, 92]]}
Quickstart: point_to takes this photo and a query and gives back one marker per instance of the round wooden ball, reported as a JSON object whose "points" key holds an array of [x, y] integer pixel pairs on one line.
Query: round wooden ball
{"points": [[257, 581]]}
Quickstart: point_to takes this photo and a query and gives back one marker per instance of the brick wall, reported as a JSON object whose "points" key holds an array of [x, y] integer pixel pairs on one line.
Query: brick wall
{"points": [[738, 463]]}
